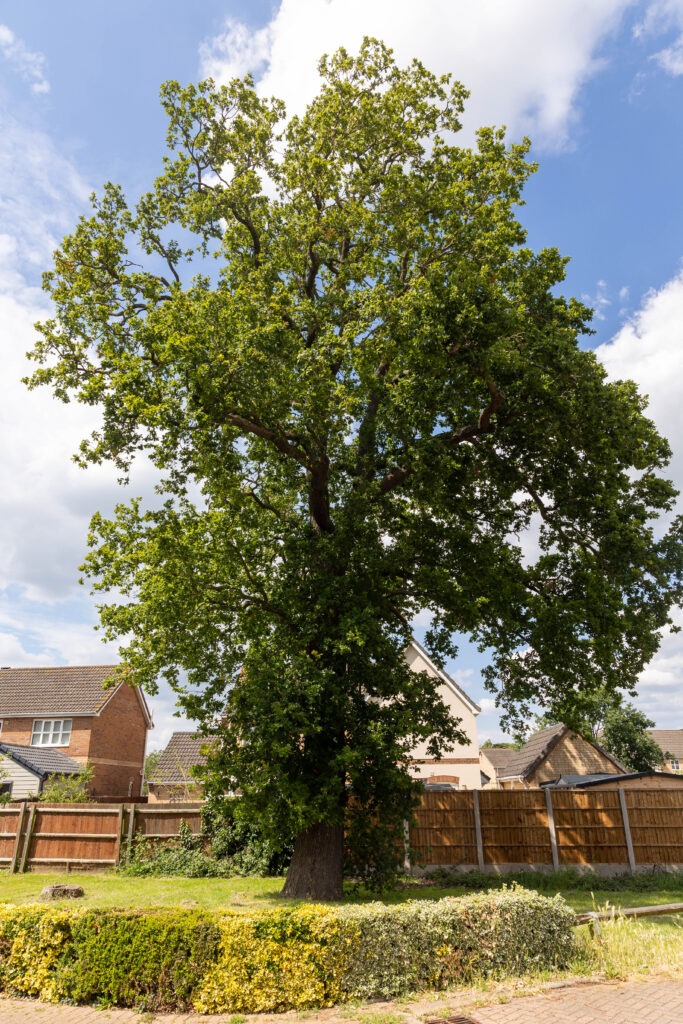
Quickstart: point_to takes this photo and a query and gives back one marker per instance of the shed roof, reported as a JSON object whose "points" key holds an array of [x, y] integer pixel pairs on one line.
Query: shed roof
{"points": [[42, 761], [183, 751], [64, 690], [499, 757]]}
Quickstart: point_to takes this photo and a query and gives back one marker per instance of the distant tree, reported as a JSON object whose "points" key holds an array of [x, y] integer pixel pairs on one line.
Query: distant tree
{"points": [[151, 770], [359, 387]]}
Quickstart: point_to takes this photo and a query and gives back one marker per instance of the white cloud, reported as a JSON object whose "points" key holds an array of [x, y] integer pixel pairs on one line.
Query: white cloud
{"points": [[662, 17], [648, 350], [30, 65], [600, 301], [524, 61]]}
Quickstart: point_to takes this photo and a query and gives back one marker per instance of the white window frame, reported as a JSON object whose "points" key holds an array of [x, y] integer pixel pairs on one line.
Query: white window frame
{"points": [[51, 732], [675, 764]]}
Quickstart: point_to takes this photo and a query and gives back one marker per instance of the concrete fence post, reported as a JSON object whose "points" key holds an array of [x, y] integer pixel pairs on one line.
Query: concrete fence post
{"points": [[551, 829], [477, 829], [627, 830]]}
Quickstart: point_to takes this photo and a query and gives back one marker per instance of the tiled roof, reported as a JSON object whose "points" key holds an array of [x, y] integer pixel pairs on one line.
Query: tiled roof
{"points": [[670, 740], [43, 692], [41, 760], [533, 752], [499, 757], [184, 750]]}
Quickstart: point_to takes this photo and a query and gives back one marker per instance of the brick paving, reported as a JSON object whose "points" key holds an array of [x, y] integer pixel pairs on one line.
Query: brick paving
{"points": [[645, 1002]]}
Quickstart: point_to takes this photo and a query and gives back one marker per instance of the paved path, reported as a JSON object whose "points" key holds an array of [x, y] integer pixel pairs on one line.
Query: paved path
{"points": [[645, 1002]]}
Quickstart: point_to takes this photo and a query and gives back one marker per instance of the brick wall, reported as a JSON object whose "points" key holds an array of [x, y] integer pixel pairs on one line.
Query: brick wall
{"points": [[19, 731], [117, 745]]}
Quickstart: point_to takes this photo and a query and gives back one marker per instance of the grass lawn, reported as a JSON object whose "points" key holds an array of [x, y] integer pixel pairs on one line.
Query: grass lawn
{"points": [[109, 889]]}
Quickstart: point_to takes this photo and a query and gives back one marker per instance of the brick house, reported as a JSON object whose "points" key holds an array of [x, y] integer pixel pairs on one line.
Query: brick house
{"points": [[671, 742], [173, 779], [554, 752], [70, 711]]}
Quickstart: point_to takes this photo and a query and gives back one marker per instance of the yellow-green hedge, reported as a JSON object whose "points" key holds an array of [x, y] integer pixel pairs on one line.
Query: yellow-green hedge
{"points": [[291, 958]]}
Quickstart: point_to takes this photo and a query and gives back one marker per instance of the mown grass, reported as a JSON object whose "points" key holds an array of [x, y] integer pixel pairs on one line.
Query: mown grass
{"points": [[582, 892]]}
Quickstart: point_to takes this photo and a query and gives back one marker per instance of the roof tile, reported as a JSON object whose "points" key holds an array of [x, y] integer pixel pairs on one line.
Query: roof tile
{"points": [[42, 692]]}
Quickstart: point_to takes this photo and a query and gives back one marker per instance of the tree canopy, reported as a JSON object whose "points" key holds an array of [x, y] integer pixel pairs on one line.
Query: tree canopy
{"points": [[360, 388]]}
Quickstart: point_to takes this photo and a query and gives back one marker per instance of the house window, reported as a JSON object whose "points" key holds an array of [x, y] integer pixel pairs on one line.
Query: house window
{"points": [[51, 732], [675, 764]]}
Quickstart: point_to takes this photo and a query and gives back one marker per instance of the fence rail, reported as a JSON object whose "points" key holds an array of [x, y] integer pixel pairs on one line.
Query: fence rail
{"points": [[489, 829]]}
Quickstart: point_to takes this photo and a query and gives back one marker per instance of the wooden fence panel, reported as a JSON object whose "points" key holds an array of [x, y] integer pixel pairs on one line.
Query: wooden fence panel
{"points": [[514, 826], [9, 823], [589, 827], [162, 820], [656, 817], [443, 832], [73, 833]]}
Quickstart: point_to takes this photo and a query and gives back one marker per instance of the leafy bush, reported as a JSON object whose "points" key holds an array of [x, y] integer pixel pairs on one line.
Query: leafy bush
{"points": [[290, 958], [251, 850], [186, 856], [68, 789], [151, 961], [315, 956]]}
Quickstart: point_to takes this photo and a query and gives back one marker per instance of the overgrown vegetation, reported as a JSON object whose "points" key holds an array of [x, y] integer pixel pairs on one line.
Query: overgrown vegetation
{"points": [[289, 958], [226, 846]]}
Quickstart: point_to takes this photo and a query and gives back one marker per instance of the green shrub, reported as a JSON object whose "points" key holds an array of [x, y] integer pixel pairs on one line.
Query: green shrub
{"points": [[315, 956], [152, 961], [291, 958], [34, 941]]}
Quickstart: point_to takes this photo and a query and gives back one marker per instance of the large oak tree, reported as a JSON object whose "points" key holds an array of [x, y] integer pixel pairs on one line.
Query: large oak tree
{"points": [[359, 388]]}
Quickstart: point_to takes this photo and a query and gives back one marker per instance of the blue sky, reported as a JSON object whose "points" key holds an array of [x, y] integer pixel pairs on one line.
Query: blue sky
{"points": [[598, 86]]}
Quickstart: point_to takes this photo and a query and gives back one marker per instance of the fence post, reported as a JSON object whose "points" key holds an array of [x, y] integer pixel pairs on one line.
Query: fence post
{"points": [[17, 839], [406, 846], [131, 832], [27, 838], [627, 830], [119, 836], [477, 829], [551, 829]]}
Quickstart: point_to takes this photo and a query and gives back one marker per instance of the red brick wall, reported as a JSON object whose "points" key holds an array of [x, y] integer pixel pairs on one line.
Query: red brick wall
{"points": [[19, 730], [117, 745]]}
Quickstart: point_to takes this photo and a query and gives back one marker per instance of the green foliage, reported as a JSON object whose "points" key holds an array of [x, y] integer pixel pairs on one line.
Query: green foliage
{"points": [[68, 789], [152, 961], [249, 848], [290, 958], [187, 858], [151, 770], [333, 329]]}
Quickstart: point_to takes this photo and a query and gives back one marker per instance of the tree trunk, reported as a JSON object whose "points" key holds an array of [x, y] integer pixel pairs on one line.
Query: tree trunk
{"points": [[317, 866]]}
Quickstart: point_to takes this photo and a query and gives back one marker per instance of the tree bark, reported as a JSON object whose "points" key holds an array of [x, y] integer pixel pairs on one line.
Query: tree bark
{"points": [[317, 867]]}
